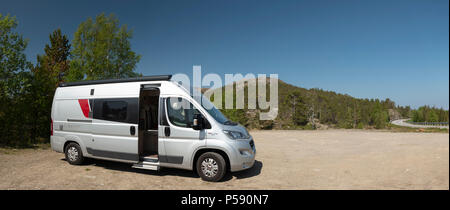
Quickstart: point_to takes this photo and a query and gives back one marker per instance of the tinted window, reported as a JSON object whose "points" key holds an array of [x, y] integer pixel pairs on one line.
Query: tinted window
{"points": [[114, 110], [118, 110], [181, 112]]}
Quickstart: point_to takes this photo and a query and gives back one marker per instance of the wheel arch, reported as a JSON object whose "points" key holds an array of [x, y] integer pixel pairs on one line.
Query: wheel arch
{"points": [[74, 139], [216, 150]]}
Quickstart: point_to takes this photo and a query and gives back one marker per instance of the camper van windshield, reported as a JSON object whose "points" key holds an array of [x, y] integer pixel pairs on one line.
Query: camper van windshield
{"points": [[213, 111]]}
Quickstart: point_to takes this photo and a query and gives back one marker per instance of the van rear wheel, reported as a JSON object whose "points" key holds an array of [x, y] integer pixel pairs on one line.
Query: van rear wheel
{"points": [[74, 155], [211, 166]]}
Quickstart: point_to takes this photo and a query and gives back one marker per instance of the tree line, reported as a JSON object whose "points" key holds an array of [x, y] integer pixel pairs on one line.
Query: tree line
{"points": [[100, 49], [300, 108], [429, 114]]}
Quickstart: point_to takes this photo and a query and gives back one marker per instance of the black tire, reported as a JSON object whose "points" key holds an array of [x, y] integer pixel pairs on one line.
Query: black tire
{"points": [[70, 157], [219, 162]]}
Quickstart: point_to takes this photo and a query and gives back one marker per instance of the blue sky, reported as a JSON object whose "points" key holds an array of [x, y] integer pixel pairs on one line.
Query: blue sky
{"points": [[395, 49]]}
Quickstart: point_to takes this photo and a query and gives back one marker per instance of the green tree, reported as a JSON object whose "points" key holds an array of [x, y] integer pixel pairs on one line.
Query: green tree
{"points": [[429, 114], [433, 116], [379, 115], [405, 112], [299, 110], [14, 81], [47, 74], [55, 61], [443, 115], [102, 50], [380, 119], [12, 58]]}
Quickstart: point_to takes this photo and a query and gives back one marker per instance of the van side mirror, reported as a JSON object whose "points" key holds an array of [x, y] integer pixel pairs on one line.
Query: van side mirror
{"points": [[199, 122]]}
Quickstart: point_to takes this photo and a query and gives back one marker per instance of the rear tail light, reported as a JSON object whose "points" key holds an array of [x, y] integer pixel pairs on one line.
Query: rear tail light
{"points": [[51, 127]]}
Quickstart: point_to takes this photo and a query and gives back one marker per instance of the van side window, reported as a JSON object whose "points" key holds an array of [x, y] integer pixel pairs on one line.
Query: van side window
{"points": [[181, 112], [117, 110], [114, 110]]}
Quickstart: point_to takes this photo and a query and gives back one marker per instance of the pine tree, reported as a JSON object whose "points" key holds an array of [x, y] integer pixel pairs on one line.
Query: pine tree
{"points": [[47, 74]]}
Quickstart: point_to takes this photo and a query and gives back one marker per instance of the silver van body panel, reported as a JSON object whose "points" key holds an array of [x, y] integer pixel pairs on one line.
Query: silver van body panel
{"points": [[112, 140]]}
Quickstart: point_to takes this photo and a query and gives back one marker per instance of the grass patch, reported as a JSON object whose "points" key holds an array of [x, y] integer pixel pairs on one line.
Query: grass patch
{"points": [[11, 150], [8, 150]]}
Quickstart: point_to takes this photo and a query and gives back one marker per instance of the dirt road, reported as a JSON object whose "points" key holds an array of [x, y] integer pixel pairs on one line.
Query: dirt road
{"points": [[331, 159]]}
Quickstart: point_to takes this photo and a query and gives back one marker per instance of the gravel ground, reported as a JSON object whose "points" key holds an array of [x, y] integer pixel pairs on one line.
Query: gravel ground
{"points": [[330, 159]]}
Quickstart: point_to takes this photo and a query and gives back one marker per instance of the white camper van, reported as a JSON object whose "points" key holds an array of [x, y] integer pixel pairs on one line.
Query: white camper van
{"points": [[149, 122]]}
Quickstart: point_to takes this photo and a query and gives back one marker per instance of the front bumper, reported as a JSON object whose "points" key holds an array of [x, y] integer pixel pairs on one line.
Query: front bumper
{"points": [[246, 160]]}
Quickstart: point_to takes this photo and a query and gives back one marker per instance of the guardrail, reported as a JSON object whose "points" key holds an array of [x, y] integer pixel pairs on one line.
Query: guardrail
{"points": [[428, 123]]}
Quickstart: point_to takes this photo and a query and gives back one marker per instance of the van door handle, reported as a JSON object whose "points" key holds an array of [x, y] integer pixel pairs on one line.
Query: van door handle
{"points": [[167, 131], [132, 130]]}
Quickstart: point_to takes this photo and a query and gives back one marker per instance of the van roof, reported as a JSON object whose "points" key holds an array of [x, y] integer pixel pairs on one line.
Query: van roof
{"points": [[107, 81]]}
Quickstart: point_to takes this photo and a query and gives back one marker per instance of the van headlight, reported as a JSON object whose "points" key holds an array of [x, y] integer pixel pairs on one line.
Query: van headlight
{"points": [[234, 134]]}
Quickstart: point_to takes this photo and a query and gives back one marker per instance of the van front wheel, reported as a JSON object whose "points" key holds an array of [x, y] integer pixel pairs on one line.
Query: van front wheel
{"points": [[211, 166], [74, 155]]}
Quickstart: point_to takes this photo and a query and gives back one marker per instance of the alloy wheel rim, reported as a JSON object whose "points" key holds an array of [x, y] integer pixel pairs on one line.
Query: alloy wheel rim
{"points": [[72, 153], [209, 167]]}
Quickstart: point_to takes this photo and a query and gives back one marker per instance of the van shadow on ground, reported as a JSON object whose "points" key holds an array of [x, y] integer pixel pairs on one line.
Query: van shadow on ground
{"points": [[125, 167]]}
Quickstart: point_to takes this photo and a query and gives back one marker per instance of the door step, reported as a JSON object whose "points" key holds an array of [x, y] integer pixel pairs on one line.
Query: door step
{"points": [[147, 165], [152, 159]]}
